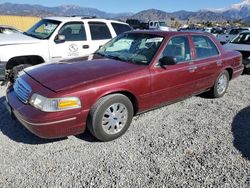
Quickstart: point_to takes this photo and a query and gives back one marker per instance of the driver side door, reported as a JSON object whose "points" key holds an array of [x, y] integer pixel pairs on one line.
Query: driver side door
{"points": [[173, 82], [74, 45]]}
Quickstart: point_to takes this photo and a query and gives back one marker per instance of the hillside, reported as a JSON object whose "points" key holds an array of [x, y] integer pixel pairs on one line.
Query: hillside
{"points": [[240, 11], [63, 10]]}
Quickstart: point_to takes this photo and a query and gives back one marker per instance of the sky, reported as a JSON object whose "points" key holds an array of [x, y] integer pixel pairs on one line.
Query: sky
{"points": [[133, 6]]}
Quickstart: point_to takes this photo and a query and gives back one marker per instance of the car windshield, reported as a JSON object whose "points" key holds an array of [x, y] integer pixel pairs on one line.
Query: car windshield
{"points": [[243, 38], [132, 47], [43, 29]]}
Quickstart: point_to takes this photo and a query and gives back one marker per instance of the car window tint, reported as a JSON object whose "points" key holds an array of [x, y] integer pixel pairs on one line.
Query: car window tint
{"points": [[178, 48], [73, 32], [99, 31], [204, 47], [120, 28]]}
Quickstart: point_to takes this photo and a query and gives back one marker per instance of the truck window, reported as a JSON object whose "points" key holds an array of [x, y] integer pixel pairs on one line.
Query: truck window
{"points": [[120, 28], [73, 32], [99, 31]]}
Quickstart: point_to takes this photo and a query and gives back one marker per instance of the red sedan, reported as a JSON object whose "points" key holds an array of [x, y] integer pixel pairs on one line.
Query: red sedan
{"points": [[133, 73]]}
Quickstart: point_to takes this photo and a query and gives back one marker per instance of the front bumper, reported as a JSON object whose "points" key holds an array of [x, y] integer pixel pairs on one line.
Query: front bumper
{"points": [[2, 70], [47, 125]]}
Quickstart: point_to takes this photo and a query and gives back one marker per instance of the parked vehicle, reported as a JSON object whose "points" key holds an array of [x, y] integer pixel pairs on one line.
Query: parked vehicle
{"points": [[215, 30], [137, 24], [230, 34], [133, 73], [159, 25], [241, 43], [5, 29], [53, 39]]}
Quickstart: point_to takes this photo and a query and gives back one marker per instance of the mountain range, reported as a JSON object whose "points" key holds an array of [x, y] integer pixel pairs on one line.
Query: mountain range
{"points": [[63, 10], [240, 11]]}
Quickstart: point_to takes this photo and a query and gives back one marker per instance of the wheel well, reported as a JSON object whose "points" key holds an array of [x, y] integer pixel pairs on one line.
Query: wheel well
{"points": [[230, 72], [131, 97], [32, 60]]}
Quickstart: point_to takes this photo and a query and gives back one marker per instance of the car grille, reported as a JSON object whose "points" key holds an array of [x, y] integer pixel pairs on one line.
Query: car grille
{"points": [[22, 90]]}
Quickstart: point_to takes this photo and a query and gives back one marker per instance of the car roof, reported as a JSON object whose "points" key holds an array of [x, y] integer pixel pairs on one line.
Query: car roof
{"points": [[81, 18], [246, 31], [166, 33]]}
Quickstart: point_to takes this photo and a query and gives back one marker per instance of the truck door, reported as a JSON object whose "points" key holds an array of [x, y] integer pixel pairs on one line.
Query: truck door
{"points": [[99, 34], [73, 45]]}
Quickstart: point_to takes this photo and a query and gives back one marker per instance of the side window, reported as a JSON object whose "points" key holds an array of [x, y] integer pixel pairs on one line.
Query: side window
{"points": [[120, 28], [204, 47], [99, 31], [73, 32], [178, 48]]}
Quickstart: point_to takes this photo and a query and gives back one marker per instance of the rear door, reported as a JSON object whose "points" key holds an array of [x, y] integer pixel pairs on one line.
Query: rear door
{"points": [[100, 34], [207, 62]]}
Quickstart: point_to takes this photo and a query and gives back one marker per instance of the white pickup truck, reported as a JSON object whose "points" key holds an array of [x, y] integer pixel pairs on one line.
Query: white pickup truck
{"points": [[54, 39]]}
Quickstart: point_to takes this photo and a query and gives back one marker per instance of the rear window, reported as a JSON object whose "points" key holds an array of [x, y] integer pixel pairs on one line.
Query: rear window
{"points": [[204, 47], [120, 28], [99, 31]]}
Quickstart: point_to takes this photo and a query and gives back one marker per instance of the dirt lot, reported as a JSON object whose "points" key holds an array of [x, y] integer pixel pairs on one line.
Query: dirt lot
{"points": [[198, 142]]}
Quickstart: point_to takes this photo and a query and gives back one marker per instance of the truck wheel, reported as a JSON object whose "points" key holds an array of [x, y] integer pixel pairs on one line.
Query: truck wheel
{"points": [[110, 117], [221, 85], [15, 70]]}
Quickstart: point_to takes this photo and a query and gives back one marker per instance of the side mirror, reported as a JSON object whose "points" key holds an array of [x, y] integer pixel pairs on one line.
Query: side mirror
{"points": [[167, 60], [60, 38]]}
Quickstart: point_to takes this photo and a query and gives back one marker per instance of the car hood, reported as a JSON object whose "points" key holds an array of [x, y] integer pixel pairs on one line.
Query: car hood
{"points": [[72, 73], [16, 38]]}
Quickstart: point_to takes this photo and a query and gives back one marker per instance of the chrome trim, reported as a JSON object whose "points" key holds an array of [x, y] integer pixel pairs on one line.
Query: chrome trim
{"points": [[22, 90], [41, 124], [238, 70]]}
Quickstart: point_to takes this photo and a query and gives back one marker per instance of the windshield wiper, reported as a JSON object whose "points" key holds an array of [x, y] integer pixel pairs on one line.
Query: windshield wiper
{"points": [[31, 35], [109, 56]]}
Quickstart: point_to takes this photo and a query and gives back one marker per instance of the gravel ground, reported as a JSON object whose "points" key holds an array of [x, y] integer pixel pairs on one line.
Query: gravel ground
{"points": [[198, 142]]}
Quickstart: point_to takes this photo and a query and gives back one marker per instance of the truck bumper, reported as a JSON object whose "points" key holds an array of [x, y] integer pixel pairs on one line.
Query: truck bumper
{"points": [[2, 70]]}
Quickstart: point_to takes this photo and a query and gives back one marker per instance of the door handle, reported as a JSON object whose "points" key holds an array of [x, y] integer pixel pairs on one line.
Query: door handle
{"points": [[85, 46], [192, 69]]}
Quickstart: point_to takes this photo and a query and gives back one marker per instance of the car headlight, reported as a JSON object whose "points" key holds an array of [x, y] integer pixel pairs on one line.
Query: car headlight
{"points": [[54, 104]]}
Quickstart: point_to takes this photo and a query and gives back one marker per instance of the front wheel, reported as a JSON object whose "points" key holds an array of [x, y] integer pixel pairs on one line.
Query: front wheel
{"points": [[110, 117], [15, 70], [221, 85]]}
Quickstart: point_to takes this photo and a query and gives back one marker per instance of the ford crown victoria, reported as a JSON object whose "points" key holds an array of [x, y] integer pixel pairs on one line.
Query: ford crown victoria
{"points": [[133, 73]]}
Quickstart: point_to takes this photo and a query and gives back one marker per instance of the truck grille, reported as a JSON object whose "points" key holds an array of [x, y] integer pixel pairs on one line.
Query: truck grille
{"points": [[22, 90]]}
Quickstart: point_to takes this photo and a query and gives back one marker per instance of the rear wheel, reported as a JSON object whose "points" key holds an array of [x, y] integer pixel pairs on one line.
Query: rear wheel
{"points": [[110, 117], [221, 85]]}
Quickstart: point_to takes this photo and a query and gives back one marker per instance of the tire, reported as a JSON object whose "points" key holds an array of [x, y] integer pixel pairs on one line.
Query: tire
{"points": [[247, 70], [15, 70], [110, 117], [220, 85]]}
